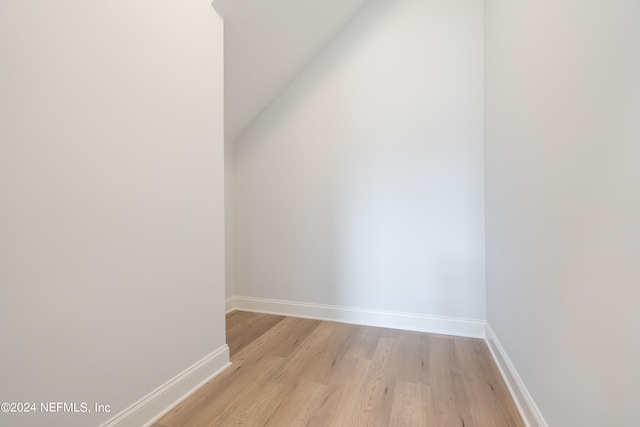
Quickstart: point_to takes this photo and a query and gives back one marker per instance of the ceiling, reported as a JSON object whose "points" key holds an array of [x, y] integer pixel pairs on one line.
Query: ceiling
{"points": [[267, 43]]}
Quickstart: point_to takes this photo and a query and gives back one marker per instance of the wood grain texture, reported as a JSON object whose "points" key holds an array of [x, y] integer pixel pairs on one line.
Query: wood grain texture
{"points": [[300, 372]]}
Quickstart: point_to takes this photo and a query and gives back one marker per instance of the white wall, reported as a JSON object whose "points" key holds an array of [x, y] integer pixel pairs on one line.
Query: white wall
{"points": [[563, 202], [111, 200], [267, 43], [362, 184], [228, 220]]}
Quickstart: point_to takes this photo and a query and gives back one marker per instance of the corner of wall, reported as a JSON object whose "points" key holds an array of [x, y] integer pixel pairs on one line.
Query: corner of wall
{"points": [[156, 404], [529, 412]]}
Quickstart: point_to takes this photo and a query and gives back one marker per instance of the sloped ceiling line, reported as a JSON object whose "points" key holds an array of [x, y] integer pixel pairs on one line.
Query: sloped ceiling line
{"points": [[267, 43]]}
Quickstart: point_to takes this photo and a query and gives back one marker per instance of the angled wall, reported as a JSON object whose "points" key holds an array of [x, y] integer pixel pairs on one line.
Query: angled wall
{"points": [[562, 174], [361, 185], [267, 43], [111, 204]]}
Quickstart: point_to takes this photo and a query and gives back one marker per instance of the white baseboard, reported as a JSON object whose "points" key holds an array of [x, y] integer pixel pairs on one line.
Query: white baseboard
{"points": [[229, 304], [473, 328], [154, 405], [530, 413]]}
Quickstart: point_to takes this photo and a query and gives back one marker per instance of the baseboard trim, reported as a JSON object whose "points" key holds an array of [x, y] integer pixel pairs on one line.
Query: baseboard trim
{"points": [[156, 404], [473, 328], [230, 304], [529, 412]]}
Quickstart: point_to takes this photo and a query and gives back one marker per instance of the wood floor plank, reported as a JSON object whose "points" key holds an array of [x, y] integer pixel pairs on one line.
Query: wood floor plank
{"points": [[236, 387], [286, 340], [410, 404], [487, 390], [349, 389], [375, 397], [298, 407], [485, 419], [328, 360], [365, 342], [243, 330], [414, 358], [300, 372]]}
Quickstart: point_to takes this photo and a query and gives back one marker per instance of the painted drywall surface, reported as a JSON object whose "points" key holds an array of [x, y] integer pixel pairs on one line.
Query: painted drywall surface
{"points": [[362, 184], [267, 43], [111, 200], [562, 174], [228, 219]]}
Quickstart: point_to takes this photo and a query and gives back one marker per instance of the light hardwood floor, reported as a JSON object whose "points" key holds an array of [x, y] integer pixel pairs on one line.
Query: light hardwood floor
{"points": [[299, 372]]}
